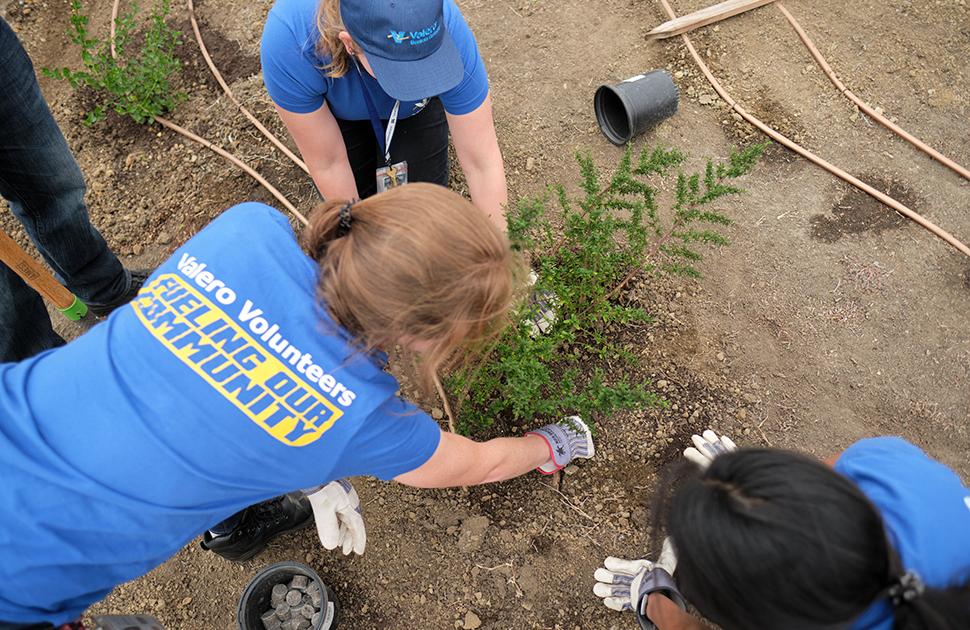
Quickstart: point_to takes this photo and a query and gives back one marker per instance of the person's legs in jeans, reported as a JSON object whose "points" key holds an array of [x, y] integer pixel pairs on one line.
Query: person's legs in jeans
{"points": [[45, 188], [27, 328]]}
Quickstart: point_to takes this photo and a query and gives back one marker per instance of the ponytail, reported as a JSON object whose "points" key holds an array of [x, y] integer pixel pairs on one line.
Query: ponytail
{"points": [[323, 228], [417, 264], [767, 538], [916, 607]]}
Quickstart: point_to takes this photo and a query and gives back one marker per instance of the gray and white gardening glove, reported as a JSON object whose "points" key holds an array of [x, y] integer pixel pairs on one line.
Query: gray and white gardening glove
{"points": [[707, 447], [567, 440], [624, 584], [543, 307], [340, 523]]}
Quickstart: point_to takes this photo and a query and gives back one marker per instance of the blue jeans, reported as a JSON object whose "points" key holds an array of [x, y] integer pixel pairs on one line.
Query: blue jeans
{"points": [[45, 189]]}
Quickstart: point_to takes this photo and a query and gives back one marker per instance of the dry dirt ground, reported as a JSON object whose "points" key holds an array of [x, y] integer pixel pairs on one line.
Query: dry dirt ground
{"points": [[828, 319]]}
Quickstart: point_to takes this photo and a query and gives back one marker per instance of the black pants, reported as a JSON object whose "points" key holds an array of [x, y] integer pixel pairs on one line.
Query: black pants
{"points": [[420, 140]]}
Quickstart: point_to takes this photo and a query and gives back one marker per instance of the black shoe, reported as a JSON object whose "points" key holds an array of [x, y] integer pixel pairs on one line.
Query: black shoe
{"points": [[138, 278], [256, 526]]}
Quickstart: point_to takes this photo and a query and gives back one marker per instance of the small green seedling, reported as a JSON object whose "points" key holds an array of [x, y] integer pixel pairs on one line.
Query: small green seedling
{"points": [[137, 85]]}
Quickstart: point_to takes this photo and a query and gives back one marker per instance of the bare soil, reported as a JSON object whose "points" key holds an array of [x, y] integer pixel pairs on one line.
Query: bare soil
{"points": [[828, 319]]}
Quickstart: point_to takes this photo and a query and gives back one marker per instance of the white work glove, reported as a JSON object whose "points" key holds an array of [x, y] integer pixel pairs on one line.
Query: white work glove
{"points": [[623, 583], [707, 447], [340, 523], [567, 440]]}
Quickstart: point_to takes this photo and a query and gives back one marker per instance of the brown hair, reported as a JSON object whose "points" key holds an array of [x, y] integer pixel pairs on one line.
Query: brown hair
{"points": [[419, 263], [330, 25]]}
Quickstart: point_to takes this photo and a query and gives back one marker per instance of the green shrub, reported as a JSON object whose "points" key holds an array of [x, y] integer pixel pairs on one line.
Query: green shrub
{"points": [[136, 85], [611, 233]]}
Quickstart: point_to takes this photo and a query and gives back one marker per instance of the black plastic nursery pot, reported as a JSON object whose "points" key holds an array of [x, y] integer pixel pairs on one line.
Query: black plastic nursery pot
{"points": [[255, 600], [628, 108]]}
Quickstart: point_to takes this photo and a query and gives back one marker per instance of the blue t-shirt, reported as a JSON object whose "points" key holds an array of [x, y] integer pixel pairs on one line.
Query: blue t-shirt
{"points": [[926, 509], [224, 383], [295, 80]]}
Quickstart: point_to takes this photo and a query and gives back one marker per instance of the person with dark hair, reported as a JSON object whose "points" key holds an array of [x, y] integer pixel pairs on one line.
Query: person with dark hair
{"points": [[41, 181], [765, 539]]}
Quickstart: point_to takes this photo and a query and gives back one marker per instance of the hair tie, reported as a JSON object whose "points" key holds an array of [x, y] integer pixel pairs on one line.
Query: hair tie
{"points": [[343, 224], [906, 588]]}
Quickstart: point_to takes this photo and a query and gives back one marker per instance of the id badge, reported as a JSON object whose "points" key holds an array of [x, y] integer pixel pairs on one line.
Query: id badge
{"points": [[390, 176]]}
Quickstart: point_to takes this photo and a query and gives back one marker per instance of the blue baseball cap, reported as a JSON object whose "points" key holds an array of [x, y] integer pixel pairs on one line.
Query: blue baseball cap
{"points": [[407, 45]]}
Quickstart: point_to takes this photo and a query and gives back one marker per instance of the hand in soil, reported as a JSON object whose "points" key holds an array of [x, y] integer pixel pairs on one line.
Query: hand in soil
{"points": [[567, 440], [707, 447], [621, 582]]}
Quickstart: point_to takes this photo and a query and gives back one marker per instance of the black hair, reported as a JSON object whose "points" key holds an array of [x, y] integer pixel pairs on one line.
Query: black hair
{"points": [[769, 539]]}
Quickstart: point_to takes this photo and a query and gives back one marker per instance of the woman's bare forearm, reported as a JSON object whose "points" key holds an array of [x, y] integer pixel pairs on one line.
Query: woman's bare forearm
{"points": [[334, 180], [459, 461], [488, 189]]}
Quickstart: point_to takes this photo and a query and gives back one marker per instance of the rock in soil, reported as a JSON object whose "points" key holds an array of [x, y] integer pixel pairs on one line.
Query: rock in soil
{"points": [[473, 533], [472, 621]]}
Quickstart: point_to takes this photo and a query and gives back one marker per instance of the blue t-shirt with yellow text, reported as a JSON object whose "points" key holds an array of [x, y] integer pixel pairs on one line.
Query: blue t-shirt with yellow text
{"points": [[295, 80], [224, 383]]}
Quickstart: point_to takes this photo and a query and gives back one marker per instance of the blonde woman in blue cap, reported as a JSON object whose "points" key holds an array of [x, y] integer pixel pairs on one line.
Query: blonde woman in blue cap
{"points": [[369, 90]]}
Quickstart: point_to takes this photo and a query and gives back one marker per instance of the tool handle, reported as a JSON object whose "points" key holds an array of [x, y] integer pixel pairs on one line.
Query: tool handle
{"points": [[35, 275]]}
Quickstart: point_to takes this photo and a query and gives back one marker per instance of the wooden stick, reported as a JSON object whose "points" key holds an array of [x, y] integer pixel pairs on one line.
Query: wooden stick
{"points": [[39, 279], [704, 17], [797, 148], [444, 400]]}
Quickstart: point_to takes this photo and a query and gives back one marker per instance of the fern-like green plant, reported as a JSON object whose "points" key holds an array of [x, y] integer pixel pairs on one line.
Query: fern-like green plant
{"points": [[613, 231], [137, 85]]}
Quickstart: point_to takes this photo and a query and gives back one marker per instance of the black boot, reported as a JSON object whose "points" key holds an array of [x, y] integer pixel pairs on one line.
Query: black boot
{"points": [[246, 533], [138, 277]]}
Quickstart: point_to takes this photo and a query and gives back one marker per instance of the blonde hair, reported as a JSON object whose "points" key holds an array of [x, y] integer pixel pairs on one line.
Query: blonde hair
{"points": [[330, 25], [418, 264]]}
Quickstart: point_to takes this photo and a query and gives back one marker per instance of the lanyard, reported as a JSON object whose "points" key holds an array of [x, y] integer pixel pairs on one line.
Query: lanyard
{"points": [[384, 136]]}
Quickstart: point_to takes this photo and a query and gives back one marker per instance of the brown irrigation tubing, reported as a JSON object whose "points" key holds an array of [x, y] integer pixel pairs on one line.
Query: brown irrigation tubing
{"points": [[835, 170], [232, 158], [882, 120], [225, 88]]}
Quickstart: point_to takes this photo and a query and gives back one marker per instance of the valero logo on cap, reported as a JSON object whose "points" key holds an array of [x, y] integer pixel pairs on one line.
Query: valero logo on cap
{"points": [[415, 37], [407, 45]]}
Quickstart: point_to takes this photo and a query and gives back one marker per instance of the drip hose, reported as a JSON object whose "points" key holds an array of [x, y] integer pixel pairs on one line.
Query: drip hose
{"points": [[882, 120], [225, 88], [222, 152], [835, 170]]}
